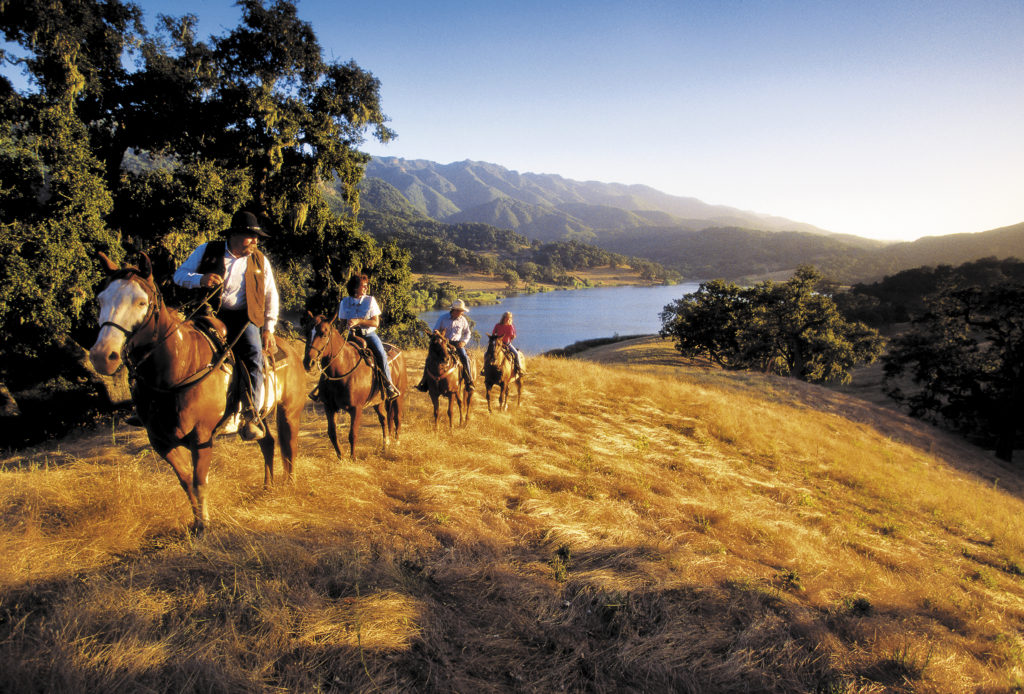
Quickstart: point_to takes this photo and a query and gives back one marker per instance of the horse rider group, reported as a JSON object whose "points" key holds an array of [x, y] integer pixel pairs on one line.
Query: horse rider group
{"points": [[248, 303]]}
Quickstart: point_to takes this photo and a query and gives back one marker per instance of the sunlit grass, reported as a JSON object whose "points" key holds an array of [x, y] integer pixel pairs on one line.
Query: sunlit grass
{"points": [[632, 526]]}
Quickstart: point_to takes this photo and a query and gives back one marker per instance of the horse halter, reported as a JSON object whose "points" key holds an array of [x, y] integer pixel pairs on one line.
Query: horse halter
{"points": [[155, 304], [327, 339]]}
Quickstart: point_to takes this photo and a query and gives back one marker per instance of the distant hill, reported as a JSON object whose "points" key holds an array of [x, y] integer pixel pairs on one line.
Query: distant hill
{"points": [[686, 235], [465, 189], [952, 249]]}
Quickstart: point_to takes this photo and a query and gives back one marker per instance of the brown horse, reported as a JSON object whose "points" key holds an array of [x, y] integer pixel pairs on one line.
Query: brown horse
{"points": [[182, 380], [348, 382], [443, 372], [500, 370]]}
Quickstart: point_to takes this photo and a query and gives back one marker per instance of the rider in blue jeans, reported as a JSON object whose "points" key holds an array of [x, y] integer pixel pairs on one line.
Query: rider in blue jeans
{"points": [[456, 330], [361, 313]]}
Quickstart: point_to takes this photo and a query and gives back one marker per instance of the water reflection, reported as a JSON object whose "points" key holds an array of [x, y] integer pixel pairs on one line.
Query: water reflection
{"points": [[553, 320]]}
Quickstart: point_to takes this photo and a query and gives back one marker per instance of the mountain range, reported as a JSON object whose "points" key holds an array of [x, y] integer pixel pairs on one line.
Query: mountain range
{"points": [[691, 237], [549, 207]]}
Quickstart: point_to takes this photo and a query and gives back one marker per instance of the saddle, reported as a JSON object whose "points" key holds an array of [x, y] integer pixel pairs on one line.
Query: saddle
{"points": [[216, 333], [366, 353]]}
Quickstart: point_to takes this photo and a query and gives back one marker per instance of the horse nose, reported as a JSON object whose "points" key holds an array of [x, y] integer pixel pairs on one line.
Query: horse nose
{"points": [[105, 362]]}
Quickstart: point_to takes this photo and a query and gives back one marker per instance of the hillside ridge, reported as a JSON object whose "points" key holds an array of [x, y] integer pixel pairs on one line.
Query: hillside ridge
{"points": [[629, 527]]}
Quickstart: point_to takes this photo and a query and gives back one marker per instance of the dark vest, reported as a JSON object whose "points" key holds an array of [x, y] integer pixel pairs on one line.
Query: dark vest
{"points": [[255, 279]]}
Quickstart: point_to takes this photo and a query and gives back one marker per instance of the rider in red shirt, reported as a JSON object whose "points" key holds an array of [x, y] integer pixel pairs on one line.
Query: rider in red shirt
{"points": [[507, 331]]}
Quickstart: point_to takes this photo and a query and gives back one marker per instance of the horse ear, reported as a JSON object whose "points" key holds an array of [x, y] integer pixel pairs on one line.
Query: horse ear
{"points": [[146, 266], [309, 314], [108, 264]]}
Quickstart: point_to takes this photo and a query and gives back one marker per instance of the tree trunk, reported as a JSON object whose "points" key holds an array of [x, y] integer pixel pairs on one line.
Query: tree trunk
{"points": [[115, 387]]}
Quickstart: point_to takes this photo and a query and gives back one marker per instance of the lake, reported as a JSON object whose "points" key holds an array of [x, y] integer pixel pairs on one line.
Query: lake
{"points": [[553, 320]]}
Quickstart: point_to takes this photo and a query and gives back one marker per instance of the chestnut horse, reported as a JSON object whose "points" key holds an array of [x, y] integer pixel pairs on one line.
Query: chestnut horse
{"points": [[500, 370], [348, 382], [182, 381], [443, 372]]}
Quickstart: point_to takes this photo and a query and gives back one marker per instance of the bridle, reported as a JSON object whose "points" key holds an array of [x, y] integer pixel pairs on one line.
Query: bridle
{"points": [[319, 352], [449, 357], [156, 305]]}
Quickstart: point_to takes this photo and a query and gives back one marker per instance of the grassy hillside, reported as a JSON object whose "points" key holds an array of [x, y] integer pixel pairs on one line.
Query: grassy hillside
{"points": [[639, 524]]}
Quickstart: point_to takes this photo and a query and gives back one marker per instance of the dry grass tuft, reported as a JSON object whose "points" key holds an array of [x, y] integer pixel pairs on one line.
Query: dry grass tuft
{"points": [[638, 524]]}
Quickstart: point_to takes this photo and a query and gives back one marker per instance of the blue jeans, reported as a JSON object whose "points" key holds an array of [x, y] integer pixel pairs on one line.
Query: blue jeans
{"points": [[248, 351], [464, 358], [374, 343]]}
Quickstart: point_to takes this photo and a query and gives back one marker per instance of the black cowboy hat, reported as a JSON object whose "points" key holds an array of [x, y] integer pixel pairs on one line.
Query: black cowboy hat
{"points": [[245, 222]]}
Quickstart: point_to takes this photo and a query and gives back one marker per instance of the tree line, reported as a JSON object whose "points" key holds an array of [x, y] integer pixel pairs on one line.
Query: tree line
{"points": [[957, 361]]}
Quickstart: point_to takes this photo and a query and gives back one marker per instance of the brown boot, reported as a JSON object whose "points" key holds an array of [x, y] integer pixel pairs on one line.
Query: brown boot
{"points": [[252, 428]]}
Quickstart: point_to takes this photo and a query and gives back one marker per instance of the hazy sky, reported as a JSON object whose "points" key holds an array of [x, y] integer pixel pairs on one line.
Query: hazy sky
{"points": [[890, 119]]}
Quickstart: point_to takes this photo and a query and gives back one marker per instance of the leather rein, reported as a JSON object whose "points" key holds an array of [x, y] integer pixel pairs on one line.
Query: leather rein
{"points": [[329, 342], [156, 305], [450, 358]]}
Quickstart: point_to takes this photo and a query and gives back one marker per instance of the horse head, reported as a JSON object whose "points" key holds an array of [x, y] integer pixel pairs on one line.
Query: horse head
{"points": [[128, 301], [495, 353], [439, 348], [318, 342]]}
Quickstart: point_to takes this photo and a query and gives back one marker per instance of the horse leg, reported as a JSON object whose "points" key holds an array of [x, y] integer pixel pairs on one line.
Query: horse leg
{"points": [[355, 416], [395, 417], [436, 398], [332, 429], [487, 394], [519, 391], [267, 449], [288, 439], [201, 458], [469, 404], [383, 422], [451, 410], [180, 460]]}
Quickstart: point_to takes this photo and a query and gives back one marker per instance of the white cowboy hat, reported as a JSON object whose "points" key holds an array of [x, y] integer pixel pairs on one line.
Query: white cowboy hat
{"points": [[458, 305]]}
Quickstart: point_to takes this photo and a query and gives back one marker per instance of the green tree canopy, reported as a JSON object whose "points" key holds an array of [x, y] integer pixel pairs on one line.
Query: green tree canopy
{"points": [[965, 359], [786, 328]]}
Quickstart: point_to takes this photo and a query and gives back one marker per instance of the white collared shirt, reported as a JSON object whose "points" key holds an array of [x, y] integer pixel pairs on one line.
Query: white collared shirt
{"points": [[363, 307], [233, 293]]}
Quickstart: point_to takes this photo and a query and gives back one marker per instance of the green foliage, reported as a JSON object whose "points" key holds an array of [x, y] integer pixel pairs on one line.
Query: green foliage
{"points": [[786, 328], [53, 224], [966, 358], [906, 294], [150, 142]]}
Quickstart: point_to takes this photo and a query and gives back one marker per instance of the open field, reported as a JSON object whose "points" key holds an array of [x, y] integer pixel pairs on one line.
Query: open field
{"points": [[638, 524], [603, 276]]}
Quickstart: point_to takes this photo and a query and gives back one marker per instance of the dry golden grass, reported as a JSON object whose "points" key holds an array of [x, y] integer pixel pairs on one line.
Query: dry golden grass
{"points": [[639, 524]]}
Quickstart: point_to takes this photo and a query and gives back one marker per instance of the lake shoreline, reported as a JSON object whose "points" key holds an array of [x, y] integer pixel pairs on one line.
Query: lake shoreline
{"points": [[548, 321]]}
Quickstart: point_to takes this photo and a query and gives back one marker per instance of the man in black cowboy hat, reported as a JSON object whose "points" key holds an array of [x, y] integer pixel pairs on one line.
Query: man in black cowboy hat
{"points": [[247, 303]]}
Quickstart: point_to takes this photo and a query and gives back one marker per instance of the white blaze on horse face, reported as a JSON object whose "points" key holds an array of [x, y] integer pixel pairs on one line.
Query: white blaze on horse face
{"points": [[122, 303]]}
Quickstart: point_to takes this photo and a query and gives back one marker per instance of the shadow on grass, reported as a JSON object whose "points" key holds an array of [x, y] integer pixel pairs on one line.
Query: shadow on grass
{"points": [[324, 611]]}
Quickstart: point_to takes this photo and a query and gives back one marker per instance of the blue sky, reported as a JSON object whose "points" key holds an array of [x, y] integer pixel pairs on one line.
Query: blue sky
{"points": [[888, 119]]}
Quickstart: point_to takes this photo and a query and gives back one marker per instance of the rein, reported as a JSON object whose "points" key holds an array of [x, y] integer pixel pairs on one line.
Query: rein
{"points": [[449, 358], [156, 305], [320, 354]]}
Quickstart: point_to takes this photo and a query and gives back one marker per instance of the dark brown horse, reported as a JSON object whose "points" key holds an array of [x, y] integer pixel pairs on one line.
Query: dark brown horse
{"points": [[500, 370], [443, 372], [182, 380], [348, 382]]}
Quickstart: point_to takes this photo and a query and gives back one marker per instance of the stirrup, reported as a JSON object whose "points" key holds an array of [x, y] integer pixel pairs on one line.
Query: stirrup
{"points": [[253, 428]]}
